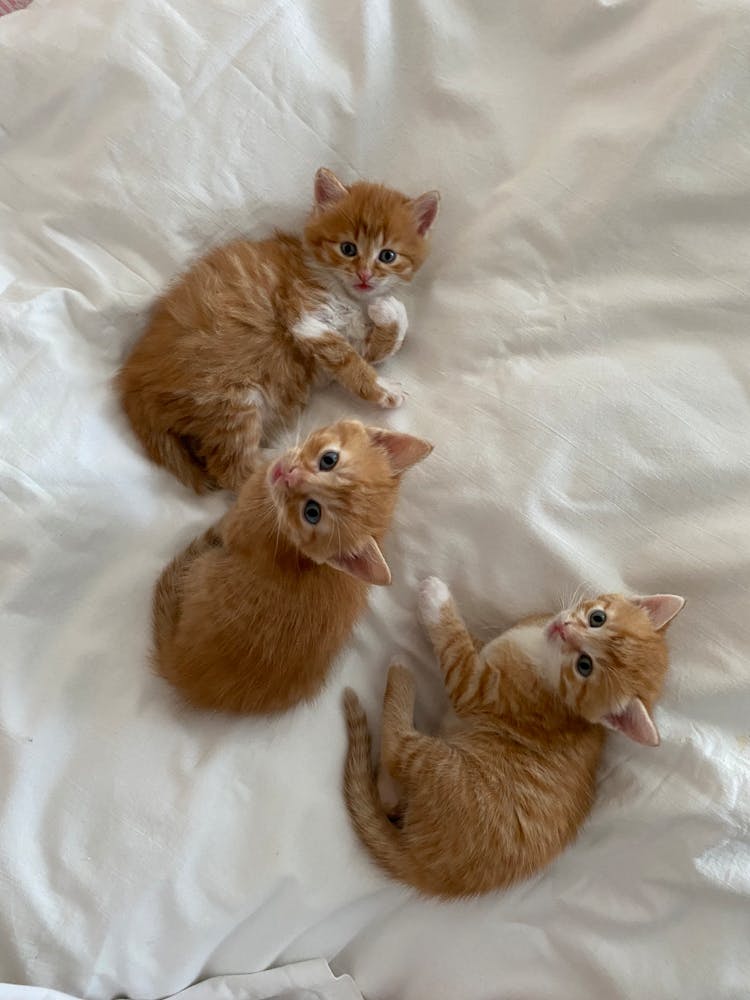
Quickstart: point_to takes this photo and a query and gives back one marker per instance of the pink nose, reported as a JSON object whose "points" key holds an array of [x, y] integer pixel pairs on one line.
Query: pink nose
{"points": [[364, 276], [289, 477]]}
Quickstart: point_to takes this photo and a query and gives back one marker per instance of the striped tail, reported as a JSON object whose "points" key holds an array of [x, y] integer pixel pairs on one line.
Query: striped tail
{"points": [[378, 834]]}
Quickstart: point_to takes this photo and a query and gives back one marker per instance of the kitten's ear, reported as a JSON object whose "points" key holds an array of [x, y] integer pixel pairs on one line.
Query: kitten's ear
{"points": [[425, 209], [635, 722], [328, 188], [661, 608], [366, 564], [404, 450]]}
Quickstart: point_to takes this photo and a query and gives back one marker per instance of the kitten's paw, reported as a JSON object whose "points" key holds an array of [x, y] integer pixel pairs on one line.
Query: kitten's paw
{"points": [[433, 597], [391, 394], [388, 311]]}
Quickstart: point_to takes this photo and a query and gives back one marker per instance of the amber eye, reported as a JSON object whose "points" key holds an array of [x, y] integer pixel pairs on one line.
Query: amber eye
{"points": [[311, 512], [597, 618], [584, 665], [348, 249], [387, 256]]}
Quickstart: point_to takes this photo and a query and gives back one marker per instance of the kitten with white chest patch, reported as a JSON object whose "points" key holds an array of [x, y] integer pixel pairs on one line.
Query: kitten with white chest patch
{"points": [[233, 349], [508, 784]]}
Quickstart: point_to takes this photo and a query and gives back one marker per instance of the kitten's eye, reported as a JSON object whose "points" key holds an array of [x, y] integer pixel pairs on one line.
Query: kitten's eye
{"points": [[584, 665], [597, 618], [387, 256], [311, 512], [348, 249], [327, 460]]}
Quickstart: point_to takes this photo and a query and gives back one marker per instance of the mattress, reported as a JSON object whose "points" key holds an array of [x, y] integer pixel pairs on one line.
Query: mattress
{"points": [[578, 353]]}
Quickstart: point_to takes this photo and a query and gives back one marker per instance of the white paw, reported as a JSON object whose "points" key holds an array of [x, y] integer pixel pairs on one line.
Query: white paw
{"points": [[387, 311], [433, 596], [392, 395]]}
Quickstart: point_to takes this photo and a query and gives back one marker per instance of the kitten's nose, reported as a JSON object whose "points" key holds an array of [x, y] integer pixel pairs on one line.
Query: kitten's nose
{"points": [[364, 276], [294, 476], [290, 476]]}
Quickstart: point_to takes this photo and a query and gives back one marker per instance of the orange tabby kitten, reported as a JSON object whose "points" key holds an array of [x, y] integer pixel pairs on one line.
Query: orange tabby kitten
{"points": [[510, 782], [233, 348], [250, 616]]}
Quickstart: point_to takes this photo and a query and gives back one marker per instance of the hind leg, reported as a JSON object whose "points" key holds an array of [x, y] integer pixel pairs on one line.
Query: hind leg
{"points": [[230, 445], [401, 745], [168, 591]]}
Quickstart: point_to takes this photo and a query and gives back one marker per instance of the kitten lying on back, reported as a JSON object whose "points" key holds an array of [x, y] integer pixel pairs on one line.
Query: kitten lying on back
{"points": [[233, 348], [497, 797], [251, 615]]}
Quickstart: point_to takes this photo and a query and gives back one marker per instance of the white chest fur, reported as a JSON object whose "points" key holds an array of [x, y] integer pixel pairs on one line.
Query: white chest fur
{"points": [[337, 314], [531, 642]]}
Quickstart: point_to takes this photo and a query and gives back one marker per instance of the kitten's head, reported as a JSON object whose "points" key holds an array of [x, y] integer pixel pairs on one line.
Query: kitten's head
{"points": [[334, 495], [367, 236], [611, 657]]}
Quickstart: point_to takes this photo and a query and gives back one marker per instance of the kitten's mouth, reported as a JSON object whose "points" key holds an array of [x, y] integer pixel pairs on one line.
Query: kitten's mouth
{"points": [[556, 630], [276, 472], [364, 286]]}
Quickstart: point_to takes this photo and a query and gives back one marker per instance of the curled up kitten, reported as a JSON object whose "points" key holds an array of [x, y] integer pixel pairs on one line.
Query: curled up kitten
{"points": [[508, 784], [233, 348], [249, 618]]}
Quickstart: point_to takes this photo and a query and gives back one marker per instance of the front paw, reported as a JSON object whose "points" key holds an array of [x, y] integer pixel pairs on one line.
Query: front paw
{"points": [[389, 330], [388, 311], [433, 597], [391, 395]]}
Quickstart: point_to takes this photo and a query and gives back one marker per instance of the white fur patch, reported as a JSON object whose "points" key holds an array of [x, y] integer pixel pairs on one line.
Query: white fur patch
{"points": [[310, 327], [393, 395], [336, 315], [388, 310], [531, 642], [433, 596], [254, 397]]}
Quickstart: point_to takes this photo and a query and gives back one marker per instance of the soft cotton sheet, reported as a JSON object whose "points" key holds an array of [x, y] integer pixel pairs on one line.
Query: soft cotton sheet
{"points": [[578, 353]]}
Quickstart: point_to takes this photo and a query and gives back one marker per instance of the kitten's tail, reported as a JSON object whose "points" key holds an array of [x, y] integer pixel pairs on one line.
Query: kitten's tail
{"points": [[375, 830]]}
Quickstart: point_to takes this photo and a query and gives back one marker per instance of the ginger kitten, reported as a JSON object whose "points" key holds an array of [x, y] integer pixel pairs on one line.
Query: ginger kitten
{"points": [[509, 783], [235, 345], [250, 616]]}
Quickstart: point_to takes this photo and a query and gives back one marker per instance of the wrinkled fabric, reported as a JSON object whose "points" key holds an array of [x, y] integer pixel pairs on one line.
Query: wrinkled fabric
{"points": [[578, 353], [303, 981]]}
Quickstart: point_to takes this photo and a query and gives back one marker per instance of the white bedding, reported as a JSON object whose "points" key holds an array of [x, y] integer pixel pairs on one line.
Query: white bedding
{"points": [[578, 353]]}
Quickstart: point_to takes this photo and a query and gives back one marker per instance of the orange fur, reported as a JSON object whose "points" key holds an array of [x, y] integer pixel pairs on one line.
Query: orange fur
{"points": [[250, 616], [234, 347], [508, 784]]}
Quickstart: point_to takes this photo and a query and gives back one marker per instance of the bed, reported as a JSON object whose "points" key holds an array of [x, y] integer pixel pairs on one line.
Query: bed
{"points": [[578, 353]]}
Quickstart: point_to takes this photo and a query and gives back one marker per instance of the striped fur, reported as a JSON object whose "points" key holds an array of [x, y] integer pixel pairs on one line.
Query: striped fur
{"points": [[507, 785]]}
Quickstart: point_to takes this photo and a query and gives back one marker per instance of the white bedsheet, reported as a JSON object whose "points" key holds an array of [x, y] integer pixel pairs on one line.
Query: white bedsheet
{"points": [[579, 355]]}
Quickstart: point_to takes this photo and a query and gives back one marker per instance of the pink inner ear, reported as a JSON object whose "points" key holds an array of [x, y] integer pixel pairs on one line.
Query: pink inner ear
{"points": [[661, 608], [368, 564], [426, 210], [634, 722], [404, 450], [328, 188]]}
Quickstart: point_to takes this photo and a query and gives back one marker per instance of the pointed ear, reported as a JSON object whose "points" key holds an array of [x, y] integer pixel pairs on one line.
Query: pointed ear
{"points": [[367, 564], [328, 188], [661, 607], [404, 450], [425, 209], [635, 722]]}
